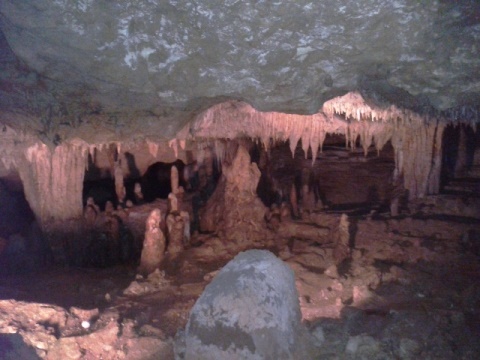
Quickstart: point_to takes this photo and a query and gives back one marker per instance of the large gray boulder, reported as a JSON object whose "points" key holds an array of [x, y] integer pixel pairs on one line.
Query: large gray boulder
{"points": [[249, 311]]}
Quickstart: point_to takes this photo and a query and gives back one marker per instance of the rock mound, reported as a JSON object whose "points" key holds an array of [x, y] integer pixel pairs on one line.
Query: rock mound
{"points": [[249, 311]]}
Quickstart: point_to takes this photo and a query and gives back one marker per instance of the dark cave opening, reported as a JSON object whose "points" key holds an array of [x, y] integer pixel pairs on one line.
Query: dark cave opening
{"points": [[22, 245], [15, 212], [156, 180], [460, 154]]}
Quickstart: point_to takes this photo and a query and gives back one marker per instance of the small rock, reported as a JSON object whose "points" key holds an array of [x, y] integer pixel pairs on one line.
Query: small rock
{"points": [[409, 349], [210, 275], [149, 330], [41, 345], [361, 294], [332, 272], [82, 314], [362, 345], [318, 336], [135, 289]]}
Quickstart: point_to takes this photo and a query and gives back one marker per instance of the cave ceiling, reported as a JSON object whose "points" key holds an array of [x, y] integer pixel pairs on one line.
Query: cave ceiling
{"points": [[161, 62]]}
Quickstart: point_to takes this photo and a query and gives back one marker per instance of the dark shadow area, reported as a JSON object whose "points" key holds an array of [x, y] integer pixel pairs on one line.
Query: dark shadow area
{"points": [[15, 212], [132, 166], [98, 185], [67, 286], [449, 156], [156, 180], [13, 347], [23, 248], [340, 179], [101, 190]]}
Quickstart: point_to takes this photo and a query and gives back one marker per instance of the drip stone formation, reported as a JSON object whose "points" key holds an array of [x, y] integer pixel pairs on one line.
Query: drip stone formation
{"points": [[154, 244]]}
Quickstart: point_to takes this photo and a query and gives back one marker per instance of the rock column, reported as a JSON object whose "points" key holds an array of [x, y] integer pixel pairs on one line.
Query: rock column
{"points": [[153, 250]]}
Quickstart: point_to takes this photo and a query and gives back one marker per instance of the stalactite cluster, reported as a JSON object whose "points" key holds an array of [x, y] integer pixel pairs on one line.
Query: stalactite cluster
{"points": [[53, 180], [416, 139], [52, 176]]}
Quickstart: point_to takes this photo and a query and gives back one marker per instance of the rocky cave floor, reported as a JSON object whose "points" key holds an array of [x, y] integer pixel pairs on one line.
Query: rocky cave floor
{"points": [[409, 290]]}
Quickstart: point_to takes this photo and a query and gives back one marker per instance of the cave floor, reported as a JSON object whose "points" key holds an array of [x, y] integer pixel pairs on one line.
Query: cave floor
{"points": [[409, 290]]}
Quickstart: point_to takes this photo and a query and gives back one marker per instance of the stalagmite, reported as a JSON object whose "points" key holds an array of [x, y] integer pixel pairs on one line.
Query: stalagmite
{"points": [[175, 233], [285, 212], [112, 227], [153, 250], [91, 203], [342, 240], [172, 203], [273, 217], [294, 201], [174, 179], [234, 207], [186, 229], [109, 208], [119, 184], [397, 194], [308, 194], [90, 213], [308, 198], [137, 190]]}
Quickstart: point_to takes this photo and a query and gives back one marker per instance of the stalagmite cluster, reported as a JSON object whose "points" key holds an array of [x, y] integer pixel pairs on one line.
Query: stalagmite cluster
{"points": [[234, 207]]}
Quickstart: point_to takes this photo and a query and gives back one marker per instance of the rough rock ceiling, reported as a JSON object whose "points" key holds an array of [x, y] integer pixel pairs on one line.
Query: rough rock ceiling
{"points": [[164, 61]]}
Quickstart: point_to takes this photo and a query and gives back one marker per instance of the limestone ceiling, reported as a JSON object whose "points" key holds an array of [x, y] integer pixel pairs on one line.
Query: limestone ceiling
{"points": [[166, 60]]}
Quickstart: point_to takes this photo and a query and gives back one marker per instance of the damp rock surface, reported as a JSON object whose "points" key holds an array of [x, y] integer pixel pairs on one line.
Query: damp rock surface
{"points": [[288, 56], [249, 311]]}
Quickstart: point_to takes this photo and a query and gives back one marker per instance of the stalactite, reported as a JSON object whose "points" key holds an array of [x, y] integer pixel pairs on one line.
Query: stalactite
{"points": [[152, 148], [174, 146], [119, 183], [435, 170], [232, 120]]}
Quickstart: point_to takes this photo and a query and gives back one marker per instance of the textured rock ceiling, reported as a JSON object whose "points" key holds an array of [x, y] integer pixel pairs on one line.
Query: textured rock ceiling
{"points": [[168, 59]]}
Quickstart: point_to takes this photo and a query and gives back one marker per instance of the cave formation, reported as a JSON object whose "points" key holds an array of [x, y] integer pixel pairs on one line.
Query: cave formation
{"points": [[354, 159]]}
